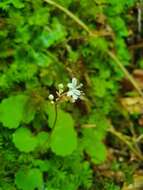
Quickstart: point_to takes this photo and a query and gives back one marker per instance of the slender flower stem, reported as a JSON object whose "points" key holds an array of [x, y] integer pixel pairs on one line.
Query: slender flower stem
{"points": [[56, 116]]}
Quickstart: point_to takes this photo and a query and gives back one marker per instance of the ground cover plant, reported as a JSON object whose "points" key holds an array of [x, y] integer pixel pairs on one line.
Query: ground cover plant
{"points": [[71, 99]]}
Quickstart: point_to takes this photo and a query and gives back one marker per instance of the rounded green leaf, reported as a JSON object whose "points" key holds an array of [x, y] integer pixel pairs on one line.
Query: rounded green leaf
{"points": [[11, 110], [29, 179], [97, 152], [24, 140], [94, 146], [63, 138]]}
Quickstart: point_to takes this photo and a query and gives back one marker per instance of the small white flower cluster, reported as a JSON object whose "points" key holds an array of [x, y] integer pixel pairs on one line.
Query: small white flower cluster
{"points": [[74, 91]]}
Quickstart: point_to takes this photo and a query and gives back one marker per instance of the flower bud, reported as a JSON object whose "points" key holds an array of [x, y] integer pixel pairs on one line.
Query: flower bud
{"points": [[51, 97]]}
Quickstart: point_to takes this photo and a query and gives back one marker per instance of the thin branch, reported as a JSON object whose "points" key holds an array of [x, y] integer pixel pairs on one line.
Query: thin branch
{"points": [[135, 137], [127, 74], [70, 14], [139, 138], [136, 46], [127, 140]]}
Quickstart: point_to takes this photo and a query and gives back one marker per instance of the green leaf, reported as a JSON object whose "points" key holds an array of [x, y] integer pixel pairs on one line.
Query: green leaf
{"points": [[42, 59], [51, 112], [56, 35], [39, 17], [43, 140], [17, 3], [42, 164], [102, 125], [29, 179], [98, 43], [11, 110], [29, 113], [24, 140], [63, 138], [102, 86], [94, 146]]}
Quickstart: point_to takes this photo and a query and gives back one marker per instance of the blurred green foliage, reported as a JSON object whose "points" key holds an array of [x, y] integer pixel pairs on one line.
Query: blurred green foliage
{"points": [[40, 48]]}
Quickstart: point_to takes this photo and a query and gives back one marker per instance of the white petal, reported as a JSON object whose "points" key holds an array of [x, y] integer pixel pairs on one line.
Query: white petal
{"points": [[77, 92], [70, 85], [74, 82], [79, 86], [75, 97], [70, 93]]}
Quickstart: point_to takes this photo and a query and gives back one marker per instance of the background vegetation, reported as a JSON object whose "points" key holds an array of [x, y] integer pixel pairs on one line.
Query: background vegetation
{"points": [[91, 144]]}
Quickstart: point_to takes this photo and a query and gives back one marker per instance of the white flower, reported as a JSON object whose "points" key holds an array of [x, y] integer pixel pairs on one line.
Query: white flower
{"points": [[74, 90]]}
